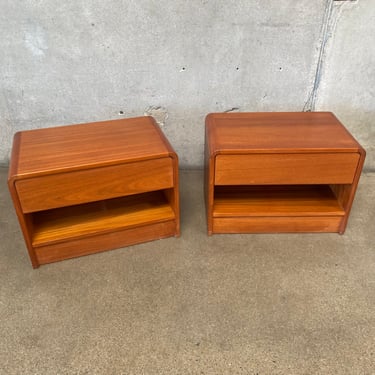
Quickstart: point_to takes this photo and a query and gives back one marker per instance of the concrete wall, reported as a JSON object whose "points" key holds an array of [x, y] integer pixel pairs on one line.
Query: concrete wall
{"points": [[347, 82], [65, 62]]}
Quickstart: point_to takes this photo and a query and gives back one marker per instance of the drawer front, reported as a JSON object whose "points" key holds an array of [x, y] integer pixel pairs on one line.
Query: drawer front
{"points": [[329, 168], [76, 187]]}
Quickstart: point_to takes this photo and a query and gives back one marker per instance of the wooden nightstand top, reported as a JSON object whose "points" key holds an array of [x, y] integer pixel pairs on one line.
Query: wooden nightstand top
{"points": [[235, 133], [73, 147]]}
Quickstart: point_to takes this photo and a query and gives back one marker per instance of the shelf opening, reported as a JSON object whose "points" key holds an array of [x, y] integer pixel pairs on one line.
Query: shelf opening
{"points": [[87, 219], [275, 200]]}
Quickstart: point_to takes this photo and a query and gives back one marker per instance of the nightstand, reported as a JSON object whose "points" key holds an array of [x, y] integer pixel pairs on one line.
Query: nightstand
{"points": [[279, 172], [85, 188]]}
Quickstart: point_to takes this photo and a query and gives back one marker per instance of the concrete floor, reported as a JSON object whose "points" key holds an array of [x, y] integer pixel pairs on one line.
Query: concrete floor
{"points": [[226, 304]]}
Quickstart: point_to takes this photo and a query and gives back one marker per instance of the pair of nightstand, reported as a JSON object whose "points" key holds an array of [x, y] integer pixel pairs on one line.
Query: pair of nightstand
{"points": [[86, 188]]}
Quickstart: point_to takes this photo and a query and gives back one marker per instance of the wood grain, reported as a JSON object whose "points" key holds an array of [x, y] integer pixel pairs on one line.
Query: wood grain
{"points": [[276, 200], [267, 224], [86, 188], [104, 241], [89, 185], [325, 168], [77, 147], [278, 132], [279, 172], [100, 217]]}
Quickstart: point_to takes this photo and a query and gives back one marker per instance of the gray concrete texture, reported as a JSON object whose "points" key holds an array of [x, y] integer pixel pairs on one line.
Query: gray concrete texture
{"points": [[65, 62], [226, 304], [347, 84]]}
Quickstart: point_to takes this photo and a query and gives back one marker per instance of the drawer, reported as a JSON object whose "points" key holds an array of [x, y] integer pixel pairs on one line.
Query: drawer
{"points": [[76, 187], [322, 168]]}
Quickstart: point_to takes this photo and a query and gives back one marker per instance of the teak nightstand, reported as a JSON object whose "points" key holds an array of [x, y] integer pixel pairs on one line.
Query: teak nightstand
{"points": [[86, 188], [279, 172]]}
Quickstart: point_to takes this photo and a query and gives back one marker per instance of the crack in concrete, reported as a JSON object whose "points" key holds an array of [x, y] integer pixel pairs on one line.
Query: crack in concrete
{"points": [[332, 14], [160, 114]]}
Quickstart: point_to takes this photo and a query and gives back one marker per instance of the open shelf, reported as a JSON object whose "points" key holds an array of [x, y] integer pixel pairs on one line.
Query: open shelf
{"points": [[276, 201], [118, 188], [287, 172], [60, 224]]}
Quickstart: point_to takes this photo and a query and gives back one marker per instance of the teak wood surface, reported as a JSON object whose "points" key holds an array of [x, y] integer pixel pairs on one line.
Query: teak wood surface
{"points": [[80, 189], [279, 172]]}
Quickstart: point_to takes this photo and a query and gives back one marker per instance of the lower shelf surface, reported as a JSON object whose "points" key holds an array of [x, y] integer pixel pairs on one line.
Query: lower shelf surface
{"points": [[276, 209], [279, 200], [67, 223]]}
